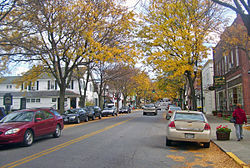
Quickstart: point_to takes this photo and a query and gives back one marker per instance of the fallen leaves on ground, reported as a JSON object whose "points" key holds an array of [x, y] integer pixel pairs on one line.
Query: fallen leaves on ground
{"points": [[204, 157]]}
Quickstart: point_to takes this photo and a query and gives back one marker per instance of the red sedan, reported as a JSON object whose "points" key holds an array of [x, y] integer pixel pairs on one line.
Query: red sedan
{"points": [[25, 125]]}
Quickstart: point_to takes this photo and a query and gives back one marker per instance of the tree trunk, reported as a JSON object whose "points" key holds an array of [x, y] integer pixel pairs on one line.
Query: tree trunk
{"points": [[62, 97], [100, 93], [246, 20], [125, 100], [191, 86], [86, 85]]}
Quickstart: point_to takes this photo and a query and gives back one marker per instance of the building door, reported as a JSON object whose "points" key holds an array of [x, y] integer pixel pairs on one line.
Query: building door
{"points": [[73, 102], [23, 103]]}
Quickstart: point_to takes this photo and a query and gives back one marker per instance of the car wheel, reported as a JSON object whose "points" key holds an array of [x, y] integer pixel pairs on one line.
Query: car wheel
{"points": [[206, 144], [28, 138], [57, 132], [86, 119], [100, 116], [168, 142], [93, 117], [78, 120]]}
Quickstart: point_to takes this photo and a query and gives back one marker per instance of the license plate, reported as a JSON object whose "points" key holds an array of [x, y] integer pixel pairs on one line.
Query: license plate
{"points": [[189, 136]]}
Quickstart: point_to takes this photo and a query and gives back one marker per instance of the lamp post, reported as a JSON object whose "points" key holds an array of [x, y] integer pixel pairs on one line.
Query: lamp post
{"points": [[106, 87], [201, 92]]}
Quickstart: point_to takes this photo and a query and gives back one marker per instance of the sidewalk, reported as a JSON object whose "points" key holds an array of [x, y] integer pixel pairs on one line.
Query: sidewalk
{"points": [[238, 150]]}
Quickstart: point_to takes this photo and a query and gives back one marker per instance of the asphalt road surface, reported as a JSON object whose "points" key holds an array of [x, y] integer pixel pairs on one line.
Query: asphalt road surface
{"points": [[126, 141]]}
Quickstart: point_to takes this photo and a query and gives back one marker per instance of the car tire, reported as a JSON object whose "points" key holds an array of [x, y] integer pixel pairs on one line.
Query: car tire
{"points": [[168, 142], [86, 119], [57, 132], [28, 138], [78, 120], [93, 117], [206, 144]]}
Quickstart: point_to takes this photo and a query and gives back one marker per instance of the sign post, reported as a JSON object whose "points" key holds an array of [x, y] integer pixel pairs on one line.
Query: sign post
{"points": [[7, 101], [219, 81]]}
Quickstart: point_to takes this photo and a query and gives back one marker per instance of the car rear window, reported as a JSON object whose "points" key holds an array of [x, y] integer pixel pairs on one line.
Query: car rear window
{"points": [[149, 105], [189, 116], [175, 108]]}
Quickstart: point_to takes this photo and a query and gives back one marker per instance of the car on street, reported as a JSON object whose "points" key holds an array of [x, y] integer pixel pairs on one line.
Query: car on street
{"points": [[24, 126], [76, 115], [109, 111], [190, 126], [171, 110], [93, 112], [125, 109], [2, 113], [149, 109]]}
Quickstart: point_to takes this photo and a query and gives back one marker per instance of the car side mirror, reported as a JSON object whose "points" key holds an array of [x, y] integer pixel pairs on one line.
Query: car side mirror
{"points": [[38, 119]]}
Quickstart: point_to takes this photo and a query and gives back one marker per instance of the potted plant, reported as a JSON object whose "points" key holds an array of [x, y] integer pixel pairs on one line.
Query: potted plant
{"points": [[223, 132], [219, 114]]}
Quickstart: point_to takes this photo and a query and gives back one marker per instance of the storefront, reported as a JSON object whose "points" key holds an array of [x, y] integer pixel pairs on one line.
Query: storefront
{"points": [[235, 96]]}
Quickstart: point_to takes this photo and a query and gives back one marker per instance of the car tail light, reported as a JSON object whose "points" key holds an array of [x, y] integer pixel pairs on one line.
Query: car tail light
{"points": [[172, 125], [207, 127], [170, 111]]}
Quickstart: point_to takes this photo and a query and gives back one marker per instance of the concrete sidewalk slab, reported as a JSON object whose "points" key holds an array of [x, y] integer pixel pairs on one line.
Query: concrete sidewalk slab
{"points": [[238, 150]]}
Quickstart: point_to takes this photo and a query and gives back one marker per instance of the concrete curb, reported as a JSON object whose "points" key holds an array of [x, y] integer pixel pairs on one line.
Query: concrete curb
{"points": [[233, 156]]}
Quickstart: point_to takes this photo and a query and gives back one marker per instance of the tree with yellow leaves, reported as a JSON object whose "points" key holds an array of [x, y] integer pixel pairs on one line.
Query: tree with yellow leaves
{"points": [[141, 86], [241, 7], [236, 36], [174, 34], [60, 35]]}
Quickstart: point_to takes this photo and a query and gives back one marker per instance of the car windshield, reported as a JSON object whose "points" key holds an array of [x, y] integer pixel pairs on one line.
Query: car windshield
{"points": [[175, 108], [71, 111], [25, 116], [149, 105], [189, 117]]}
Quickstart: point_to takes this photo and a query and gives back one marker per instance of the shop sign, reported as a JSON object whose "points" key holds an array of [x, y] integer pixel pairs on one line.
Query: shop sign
{"points": [[7, 99], [219, 81]]}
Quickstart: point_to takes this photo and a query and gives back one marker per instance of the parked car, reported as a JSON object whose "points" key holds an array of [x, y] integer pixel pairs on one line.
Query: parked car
{"points": [[97, 111], [109, 111], [191, 126], [171, 110], [2, 113], [149, 109], [93, 112], [24, 126], [76, 115], [125, 109], [171, 105]]}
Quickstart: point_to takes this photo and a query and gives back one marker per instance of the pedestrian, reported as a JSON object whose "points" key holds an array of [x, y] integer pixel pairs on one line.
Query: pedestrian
{"points": [[240, 118]]}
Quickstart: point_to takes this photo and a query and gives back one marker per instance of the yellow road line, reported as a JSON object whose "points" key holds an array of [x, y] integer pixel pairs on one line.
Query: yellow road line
{"points": [[240, 162], [50, 150]]}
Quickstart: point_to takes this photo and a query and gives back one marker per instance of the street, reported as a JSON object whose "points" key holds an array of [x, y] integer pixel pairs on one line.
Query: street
{"points": [[126, 141]]}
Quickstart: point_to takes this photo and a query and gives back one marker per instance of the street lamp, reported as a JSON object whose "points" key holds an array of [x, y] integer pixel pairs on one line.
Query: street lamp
{"points": [[106, 87]]}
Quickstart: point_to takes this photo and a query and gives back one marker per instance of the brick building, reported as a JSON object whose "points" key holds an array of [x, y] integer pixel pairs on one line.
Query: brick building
{"points": [[233, 67]]}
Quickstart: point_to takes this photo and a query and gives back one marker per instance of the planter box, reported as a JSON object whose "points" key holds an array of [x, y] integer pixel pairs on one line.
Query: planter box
{"points": [[219, 114], [223, 135]]}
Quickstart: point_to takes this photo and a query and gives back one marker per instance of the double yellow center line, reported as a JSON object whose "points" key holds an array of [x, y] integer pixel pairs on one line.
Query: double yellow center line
{"points": [[50, 150]]}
